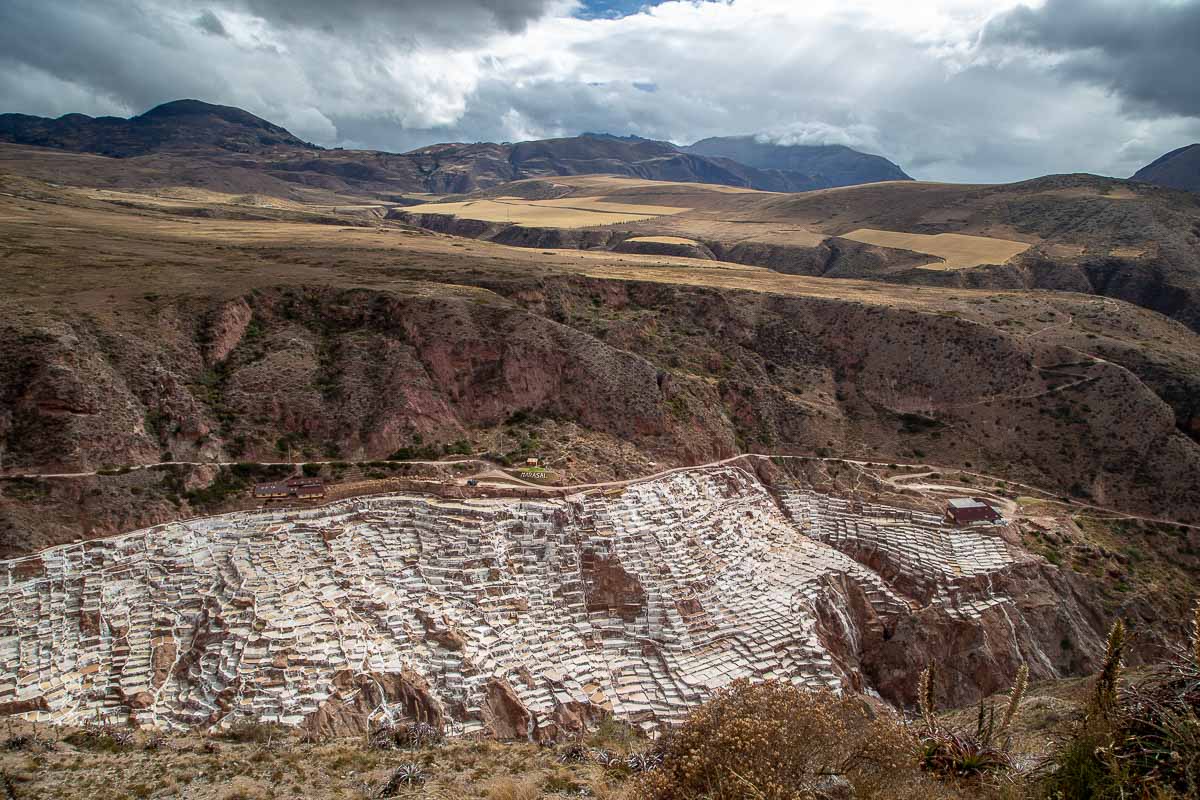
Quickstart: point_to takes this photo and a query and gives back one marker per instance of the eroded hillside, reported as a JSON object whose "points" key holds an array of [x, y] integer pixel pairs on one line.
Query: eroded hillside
{"points": [[134, 336]]}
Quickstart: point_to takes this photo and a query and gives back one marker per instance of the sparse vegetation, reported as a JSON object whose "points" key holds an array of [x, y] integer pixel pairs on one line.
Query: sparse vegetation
{"points": [[1141, 740]]}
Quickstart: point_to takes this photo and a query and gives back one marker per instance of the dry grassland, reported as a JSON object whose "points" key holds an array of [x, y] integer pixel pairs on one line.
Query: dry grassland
{"points": [[955, 249], [575, 212], [663, 240], [616, 182]]}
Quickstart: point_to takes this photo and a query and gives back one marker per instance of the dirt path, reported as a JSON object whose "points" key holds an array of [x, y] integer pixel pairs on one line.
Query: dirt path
{"points": [[105, 472], [492, 476]]}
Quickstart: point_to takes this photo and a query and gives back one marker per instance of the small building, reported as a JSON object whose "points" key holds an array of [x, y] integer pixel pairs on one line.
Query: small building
{"points": [[309, 492], [531, 462], [272, 491], [966, 510], [297, 488]]}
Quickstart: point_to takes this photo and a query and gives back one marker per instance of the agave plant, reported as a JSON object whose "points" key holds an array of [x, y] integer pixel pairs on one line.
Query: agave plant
{"points": [[604, 758], [574, 753], [420, 734], [966, 753], [18, 742], [643, 762], [961, 755], [406, 776]]}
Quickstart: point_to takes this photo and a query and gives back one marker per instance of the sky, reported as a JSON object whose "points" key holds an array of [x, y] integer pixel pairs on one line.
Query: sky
{"points": [[952, 90]]}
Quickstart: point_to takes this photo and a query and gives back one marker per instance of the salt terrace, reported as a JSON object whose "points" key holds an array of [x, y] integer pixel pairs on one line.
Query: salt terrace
{"points": [[638, 603]]}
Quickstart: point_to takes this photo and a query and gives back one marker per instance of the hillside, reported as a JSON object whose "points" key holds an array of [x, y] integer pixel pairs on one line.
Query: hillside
{"points": [[220, 335], [810, 166], [1178, 169], [1078, 233]]}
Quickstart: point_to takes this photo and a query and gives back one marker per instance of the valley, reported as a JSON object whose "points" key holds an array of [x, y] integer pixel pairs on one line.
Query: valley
{"points": [[748, 411]]}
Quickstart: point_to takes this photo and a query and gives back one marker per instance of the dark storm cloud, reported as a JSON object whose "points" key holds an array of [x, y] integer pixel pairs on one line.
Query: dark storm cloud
{"points": [[210, 23], [397, 17], [1146, 51]]}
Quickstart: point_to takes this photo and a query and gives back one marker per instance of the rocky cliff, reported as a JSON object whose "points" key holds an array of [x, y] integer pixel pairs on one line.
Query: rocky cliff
{"points": [[653, 372]]}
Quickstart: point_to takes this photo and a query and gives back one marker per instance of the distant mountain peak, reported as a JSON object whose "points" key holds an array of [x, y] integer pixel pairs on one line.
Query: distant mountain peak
{"points": [[1178, 169], [823, 165], [179, 124]]}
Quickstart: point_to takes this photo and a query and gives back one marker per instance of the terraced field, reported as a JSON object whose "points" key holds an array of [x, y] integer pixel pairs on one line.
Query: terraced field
{"points": [[568, 212], [956, 250], [662, 240]]}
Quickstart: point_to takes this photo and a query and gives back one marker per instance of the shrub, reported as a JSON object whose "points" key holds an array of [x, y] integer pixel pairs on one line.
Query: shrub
{"points": [[775, 741], [250, 731], [509, 788], [244, 788], [100, 738]]}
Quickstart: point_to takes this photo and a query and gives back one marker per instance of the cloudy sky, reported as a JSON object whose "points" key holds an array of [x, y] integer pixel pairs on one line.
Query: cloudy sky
{"points": [[961, 90]]}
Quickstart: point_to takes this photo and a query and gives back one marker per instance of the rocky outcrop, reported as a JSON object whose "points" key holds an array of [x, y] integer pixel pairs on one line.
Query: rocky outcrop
{"points": [[505, 717], [608, 588], [360, 700]]}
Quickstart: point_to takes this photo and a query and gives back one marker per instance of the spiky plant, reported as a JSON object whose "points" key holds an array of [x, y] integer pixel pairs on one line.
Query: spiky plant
{"points": [[419, 734], [1104, 694], [962, 756], [603, 758], [1195, 649], [926, 699], [404, 777], [573, 753], [18, 742], [642, 762], [1014, 701], [985, 724]]}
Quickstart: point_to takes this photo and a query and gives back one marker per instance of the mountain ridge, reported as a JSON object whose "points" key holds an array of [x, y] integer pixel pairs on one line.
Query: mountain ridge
{"points": [[827, 165], [217, 132]]}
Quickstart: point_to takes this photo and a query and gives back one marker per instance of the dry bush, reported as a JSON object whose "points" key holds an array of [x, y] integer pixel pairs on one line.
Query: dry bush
{"points": [[774, 741], [243, 788], [509, 788]]}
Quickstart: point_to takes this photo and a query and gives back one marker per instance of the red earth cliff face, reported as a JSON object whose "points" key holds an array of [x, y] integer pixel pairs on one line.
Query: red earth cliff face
{"points": [[676, 374]]}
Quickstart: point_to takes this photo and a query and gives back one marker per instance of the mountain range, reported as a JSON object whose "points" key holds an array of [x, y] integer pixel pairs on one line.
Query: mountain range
{"points": [[233, 138]]}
